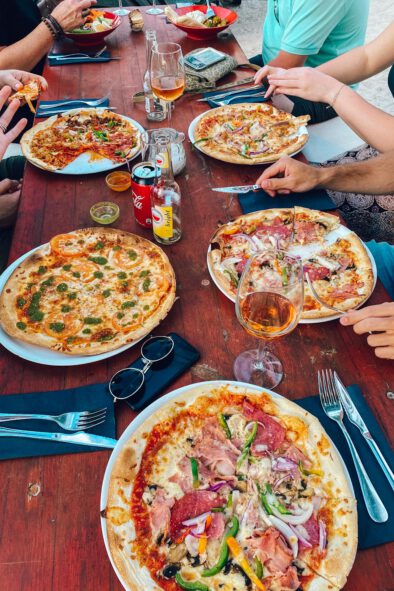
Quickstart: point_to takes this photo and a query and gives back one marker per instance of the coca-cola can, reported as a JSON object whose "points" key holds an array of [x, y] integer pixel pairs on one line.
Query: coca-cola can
{"points": [[142, 178]]}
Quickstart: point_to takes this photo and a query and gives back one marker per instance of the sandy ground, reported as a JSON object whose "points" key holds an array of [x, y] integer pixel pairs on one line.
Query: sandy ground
{"points": [[248, 31]]}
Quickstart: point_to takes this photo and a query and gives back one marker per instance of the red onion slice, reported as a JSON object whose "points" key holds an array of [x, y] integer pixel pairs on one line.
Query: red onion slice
{"points": [[287, 532], [283, 464], [292, 518], [245, 237], [297, 530], [322, 536], [218, 485], [196, 520]]}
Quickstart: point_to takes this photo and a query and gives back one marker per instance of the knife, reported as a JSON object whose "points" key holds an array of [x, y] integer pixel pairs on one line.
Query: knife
{"points": [[355, 418], [82, 59], [234, 93], [59, 110], [239, 189], [80, 438]]}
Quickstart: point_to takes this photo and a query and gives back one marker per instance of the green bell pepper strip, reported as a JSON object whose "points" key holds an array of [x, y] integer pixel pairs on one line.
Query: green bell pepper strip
{"points": [[242, 458], [230, 500], [269, 500], [252, 436], [259, 568], [307, 472], [224, 425], [190, 585], [194, 466], [224, 551]]}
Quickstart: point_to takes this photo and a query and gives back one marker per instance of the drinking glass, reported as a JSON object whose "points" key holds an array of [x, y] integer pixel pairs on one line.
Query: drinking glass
{"points": [[167, 73], [269, 303], [154, 9], [121, 11]]}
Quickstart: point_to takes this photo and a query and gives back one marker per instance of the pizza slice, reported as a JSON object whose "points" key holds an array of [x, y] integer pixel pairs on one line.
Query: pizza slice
{"points": [[28, 93], [312, 226]]}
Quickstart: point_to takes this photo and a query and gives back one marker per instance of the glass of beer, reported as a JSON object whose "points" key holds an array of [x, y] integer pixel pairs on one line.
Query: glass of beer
{"points": [[269, 303], [167, 73]]}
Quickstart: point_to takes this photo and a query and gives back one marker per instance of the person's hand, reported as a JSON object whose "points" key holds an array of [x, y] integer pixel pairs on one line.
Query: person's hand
{"points": [[265, 71], [378, 320], [307, 83], [9, 199], [6, 137], [288, 175], [17, 78], [68, 13]]}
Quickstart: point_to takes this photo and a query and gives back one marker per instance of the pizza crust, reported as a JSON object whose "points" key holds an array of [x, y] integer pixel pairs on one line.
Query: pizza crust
{"points": [[8, 315], [332, 573]]}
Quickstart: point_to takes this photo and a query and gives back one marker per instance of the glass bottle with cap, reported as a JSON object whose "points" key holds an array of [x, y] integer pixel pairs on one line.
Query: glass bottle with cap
{"points": [[153, 107], [165, 196]]}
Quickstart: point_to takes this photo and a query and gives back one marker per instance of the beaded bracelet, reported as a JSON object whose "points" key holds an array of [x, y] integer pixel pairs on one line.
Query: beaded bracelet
{"points": [[53, 26]]}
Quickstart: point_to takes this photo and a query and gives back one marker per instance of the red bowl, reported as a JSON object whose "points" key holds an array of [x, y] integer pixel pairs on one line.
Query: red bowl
{"points": [[92, 39], [204, 33]]}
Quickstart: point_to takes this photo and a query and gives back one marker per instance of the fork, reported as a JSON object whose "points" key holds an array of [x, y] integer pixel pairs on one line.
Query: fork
{"points": [[70, 421], [209, 13], [333, 408], [233, 98], [66, 56], [92, 103], [318, 298]]}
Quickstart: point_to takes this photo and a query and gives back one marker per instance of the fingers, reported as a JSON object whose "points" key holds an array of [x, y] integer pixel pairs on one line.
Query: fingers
{"points": [[381, 339], [11, 80], [4, 94], [385, 352], [261, 74], [271, 89], [16, 130], [278, 167], [374, 324], [377, 311], [6, 186]]}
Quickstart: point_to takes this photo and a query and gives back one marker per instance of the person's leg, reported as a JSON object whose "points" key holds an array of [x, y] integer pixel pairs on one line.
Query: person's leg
{"points": [[383, 254]]}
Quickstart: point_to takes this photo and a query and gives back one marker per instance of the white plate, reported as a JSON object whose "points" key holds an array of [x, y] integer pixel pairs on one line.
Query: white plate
{"points": [[301, 130], [331, 237], [41, 354], [82, 164], [137, 422]]}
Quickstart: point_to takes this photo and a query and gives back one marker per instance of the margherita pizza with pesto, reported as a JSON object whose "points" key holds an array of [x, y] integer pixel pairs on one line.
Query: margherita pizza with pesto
{"points": [[334, 257], [59, 140], [230, 488], [88, 292], [250, 133]]}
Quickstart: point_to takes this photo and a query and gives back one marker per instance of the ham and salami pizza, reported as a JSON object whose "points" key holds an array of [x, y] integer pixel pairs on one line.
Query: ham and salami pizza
{"points": [[334, 258], [59, 140], [88, 292], [249, 133], [229, 488]]}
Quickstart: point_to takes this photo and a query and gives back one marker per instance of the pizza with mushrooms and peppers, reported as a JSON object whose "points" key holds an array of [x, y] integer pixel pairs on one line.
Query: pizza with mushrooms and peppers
{"points": [[226, 488]]}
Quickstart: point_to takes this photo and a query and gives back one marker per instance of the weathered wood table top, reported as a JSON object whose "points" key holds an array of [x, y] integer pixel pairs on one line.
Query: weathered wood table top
{"points": [[52, 541]]}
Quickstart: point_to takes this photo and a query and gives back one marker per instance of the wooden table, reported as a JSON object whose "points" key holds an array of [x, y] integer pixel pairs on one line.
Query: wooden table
{"points": [[52, 540]]}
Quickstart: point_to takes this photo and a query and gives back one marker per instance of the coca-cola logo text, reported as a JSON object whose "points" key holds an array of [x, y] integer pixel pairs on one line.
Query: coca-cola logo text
{"points": [[138, 201]]}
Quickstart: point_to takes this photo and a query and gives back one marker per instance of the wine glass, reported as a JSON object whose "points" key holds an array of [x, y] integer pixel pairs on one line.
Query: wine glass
{"points": [[269, 303], [121, 11], [154, 9], [167, 73]]}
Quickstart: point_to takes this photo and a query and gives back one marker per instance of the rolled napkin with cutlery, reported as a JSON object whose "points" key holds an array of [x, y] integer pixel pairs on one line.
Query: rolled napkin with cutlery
{"points": [[84, 398], [251, 94], [255, 200], [48, 108], [370, 533], [63, 59]]}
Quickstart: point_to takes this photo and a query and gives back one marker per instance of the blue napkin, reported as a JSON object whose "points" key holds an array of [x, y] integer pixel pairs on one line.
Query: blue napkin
{"points": [[258, 92], [104, 57], [74, 105], [369, 533], [54, 403], [257, 200]]}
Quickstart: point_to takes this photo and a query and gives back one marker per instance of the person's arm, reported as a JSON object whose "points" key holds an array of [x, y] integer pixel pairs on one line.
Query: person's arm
{"points": [[287, 60], [26, 53], [363, 62], [374, 176], [374, 126]]}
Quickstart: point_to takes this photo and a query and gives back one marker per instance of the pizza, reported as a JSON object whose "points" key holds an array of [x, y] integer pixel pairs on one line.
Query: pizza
{"points": [[229, 488], [249, 133], [59, 140], [88, 292], [334, 257], [28, 93]]}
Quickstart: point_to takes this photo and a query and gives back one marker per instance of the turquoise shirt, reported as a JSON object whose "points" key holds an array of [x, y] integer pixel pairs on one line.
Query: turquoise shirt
{"points": [[320, 29]]}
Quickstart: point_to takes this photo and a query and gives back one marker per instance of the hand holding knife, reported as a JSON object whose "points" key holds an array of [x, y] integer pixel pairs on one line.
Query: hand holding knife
{"points": [[355, 418]]}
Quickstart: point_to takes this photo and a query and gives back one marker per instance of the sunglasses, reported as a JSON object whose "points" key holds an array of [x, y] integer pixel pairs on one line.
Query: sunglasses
{"points": [[128, 381]]}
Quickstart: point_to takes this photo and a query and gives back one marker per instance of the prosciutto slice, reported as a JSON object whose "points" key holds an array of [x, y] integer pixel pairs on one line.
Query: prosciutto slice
{"points": [[216, 451], [269, 432], [273, 551], [160, 512]]}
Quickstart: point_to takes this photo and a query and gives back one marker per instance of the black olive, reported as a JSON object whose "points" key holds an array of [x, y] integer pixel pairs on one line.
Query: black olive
{"points": [[194, 560], [288, 485], [227, 567], [153, 486], [248, 582], [160, 538], [189, 439], [304, 484], [170, 570], [227, 417]]}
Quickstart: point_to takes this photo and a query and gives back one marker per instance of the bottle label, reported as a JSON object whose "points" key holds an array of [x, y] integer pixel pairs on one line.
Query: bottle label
{"points": [[162, 160], [162, 221], [147, 104]]}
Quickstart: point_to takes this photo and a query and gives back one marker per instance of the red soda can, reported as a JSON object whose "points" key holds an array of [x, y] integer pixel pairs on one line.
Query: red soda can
{"points": [[142, 179]]}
